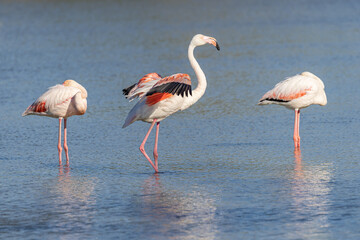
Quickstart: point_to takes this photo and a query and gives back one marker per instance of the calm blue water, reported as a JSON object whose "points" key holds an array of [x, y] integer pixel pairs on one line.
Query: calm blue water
{"points": [[228, 168]]}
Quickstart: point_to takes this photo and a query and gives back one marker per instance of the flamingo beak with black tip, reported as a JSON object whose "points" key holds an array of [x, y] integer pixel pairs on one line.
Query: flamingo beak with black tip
{"points": [[212, 41]]}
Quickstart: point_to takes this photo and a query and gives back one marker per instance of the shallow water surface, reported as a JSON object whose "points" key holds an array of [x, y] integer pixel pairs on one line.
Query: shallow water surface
{"points": [[227, 167]]}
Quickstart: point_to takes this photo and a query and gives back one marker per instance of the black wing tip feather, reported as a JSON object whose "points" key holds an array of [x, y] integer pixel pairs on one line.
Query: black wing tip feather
{"points": [[172, 88], [128, 89], [274, 100]]}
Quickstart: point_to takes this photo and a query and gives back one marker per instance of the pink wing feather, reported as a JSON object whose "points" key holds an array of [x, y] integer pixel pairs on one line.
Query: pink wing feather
{"points": [[142, 87], [178, 77], [289, 89], [54, 102]]}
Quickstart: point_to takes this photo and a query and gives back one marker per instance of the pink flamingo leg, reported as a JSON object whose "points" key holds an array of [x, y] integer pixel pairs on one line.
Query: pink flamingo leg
{"points": [[296, 129], [65, 143], [142, 149], [156, 143], [295, 124], [59, 142]]}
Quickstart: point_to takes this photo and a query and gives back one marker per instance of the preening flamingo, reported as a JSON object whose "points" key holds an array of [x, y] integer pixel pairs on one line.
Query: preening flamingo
{"points": [[299, 91], [160, 97], [61, 101]]}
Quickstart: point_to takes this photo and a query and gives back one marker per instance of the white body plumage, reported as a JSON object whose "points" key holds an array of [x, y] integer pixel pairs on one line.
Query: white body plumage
{"points": [[60, 101], [161, 110], [299, 91]]}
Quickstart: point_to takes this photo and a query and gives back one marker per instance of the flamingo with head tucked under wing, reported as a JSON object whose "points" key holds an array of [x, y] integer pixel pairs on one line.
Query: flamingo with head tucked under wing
{"points": [[61, 101], [161, 97], [299, 91]]}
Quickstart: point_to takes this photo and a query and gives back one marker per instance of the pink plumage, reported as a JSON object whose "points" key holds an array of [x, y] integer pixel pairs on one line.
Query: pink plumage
{"points": [[142, 87], [175, 89], [299, 91], [161, 97], [60, 101]]}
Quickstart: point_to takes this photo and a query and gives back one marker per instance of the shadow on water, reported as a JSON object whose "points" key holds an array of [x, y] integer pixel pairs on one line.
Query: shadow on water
{"points": [[172, 214], [310, 199]]}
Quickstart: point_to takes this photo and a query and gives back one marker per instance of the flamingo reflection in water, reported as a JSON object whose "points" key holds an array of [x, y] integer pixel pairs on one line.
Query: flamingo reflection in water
{"points": [[184, 213], [310, 193], [74, 201]]}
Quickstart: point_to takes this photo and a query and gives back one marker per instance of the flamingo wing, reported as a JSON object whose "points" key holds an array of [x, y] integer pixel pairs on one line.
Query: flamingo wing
{"points": [[290, 89], [177, 84], [142, 87], [53, 102]]}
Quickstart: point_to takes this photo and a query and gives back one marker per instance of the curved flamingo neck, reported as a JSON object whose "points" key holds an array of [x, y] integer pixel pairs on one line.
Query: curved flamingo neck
{"points": [[201, 87]]}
